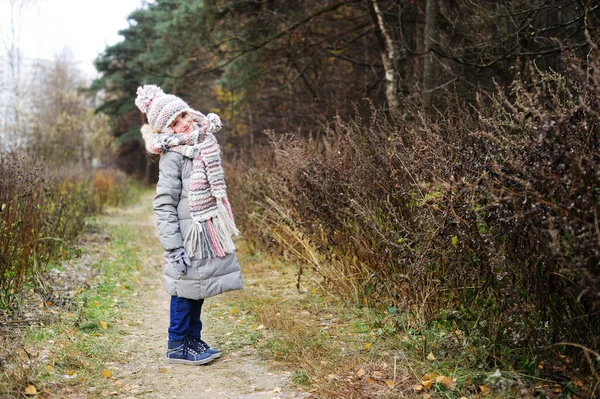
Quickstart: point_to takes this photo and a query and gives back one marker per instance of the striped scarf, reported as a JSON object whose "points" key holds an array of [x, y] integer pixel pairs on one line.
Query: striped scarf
{"points": [[212, 220]]}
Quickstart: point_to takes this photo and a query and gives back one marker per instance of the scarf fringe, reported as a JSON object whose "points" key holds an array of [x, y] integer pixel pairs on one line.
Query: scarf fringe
{"points": [[226, 217], [212, 237]]}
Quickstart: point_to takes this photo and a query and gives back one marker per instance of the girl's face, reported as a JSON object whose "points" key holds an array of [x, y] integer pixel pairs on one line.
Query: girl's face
{"points": [[183, 123]]}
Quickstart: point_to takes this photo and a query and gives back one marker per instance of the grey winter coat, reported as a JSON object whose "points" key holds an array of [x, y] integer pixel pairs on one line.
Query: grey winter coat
{"points": [[207, 276]]}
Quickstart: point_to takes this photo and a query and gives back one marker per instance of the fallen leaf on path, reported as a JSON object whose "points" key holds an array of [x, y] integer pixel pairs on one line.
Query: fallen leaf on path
{"points": [[361, 372], [390, 383], [164, 370], [367, 346], [418, 387], [234, 311], [30, 390], [484, 389], [427, 383], [446, 382], [107, 373]]}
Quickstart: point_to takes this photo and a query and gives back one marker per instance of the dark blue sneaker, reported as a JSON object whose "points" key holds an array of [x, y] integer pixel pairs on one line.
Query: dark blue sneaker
{"points": [[186, 352], [204, 347]]}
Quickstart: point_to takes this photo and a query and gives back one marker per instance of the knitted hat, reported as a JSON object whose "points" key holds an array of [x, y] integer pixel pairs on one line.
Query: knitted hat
{"points": [[161, 109]]}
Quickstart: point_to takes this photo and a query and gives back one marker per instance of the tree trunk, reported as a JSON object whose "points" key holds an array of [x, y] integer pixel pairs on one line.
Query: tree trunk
{"points": [[389, 56], [428, 76]]}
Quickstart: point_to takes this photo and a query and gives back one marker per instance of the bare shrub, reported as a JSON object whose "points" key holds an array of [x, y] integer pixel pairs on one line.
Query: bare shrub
{"points": [[487, 215], [42, 212]]}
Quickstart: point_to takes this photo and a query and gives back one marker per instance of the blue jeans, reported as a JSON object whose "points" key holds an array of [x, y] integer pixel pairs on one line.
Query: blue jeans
{"points": [[185, 318]]}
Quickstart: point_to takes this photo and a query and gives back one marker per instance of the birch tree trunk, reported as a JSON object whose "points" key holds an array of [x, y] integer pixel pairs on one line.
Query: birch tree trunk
{"points": [[429, 31], [389, 56]]}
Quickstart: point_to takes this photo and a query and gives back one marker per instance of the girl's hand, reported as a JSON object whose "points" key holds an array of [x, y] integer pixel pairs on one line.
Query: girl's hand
{"points": [[215, 122], [178, 259]]}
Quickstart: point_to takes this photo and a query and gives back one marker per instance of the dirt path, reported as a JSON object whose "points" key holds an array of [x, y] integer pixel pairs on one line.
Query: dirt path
{"points": [[239, 373]]}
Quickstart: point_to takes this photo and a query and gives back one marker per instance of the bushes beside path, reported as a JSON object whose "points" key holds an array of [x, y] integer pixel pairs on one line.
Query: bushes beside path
{"points": [[43, 211], [483, 220]]}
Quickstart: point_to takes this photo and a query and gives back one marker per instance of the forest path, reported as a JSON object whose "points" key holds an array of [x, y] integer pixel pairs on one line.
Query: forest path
{"points": [[143, 372]]}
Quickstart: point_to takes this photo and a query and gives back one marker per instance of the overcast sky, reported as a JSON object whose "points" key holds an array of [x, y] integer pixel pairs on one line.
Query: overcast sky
{"points": [[85, 27]]}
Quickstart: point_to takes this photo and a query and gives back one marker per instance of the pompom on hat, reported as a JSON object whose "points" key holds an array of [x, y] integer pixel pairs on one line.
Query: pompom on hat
{"points": [[161, 109]]}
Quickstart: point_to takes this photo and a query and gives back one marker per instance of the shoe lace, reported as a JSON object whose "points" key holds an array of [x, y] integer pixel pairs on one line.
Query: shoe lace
{"points": [[204, 345], [198, 345], [189, 347]]}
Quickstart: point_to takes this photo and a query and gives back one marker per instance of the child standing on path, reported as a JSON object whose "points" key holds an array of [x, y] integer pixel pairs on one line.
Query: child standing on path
{"points": [[194, 219]]}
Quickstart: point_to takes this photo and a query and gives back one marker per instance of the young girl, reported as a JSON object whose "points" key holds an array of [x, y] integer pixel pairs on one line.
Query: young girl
{"points": [[194, 219]]}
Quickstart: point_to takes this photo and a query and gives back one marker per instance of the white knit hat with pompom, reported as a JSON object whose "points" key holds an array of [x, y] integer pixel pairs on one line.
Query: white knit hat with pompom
{"points": [[161, 109]]}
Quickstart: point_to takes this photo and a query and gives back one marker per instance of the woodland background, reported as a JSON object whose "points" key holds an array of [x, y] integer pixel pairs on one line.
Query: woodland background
{"points": [[436, 159]]}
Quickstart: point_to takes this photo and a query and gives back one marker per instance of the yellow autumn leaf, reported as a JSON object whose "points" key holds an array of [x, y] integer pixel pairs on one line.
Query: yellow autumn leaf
{"points": [[389, 383], [70, 372], [49, 367], [484, 389], [107, 373], [367, 346], [30, 390], [427, 383], [541, 365], [103, 324], [164, 370], [96, 304], [446, 382], [431, 356], [418, 387], [234, 311]]}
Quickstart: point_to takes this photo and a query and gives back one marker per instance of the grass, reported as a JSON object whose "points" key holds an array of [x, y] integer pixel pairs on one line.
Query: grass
{"points": [[334, 349], [74, 348]]}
